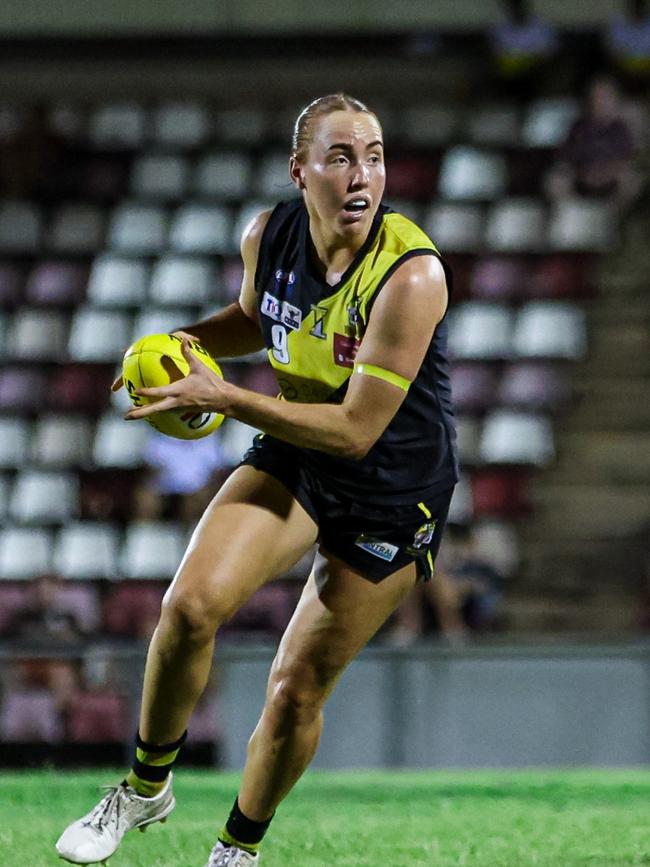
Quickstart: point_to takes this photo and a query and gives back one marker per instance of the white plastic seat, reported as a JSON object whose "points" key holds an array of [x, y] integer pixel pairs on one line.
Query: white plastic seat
{"points": [[4, 497], [119, 443], [77, 228], [468, 173], [181, 125], [517, 438], [429, 124], [98, 335], [480, 330], [223, 175], [548, 121], [468, 436], [181, 279], [272, 178], [161, 177], [550, 329], [87, 550], [41, 497], [61, 441], [152, 549], [38, 335], [161, 320], [136, 228], [455, 228], [497, 543], [116, 281], [25, 552], [201, 229], [516, 225], [21, 227], [118, 125], [241, 126], [246, 213], [497, 125], [14, 442], [581, 225]]}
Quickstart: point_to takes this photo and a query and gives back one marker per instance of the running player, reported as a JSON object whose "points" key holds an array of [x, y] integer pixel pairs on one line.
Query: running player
{"points": [[349, 298]]}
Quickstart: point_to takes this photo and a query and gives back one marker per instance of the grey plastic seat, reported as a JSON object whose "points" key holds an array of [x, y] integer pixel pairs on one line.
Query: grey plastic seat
{"points": [[21, 227], [116, 125], [151, 549], [581, 225], [223, 175], [456, 228], [198, 228], [77, 228], [38, 335], [40, 497], [516, 225], [137, 229], [429, 124], [98, 335], [87, 549], [548, 121], [160, 177], [183, 280], [469, 173], [497, 125], [161, 320], [272, 178], [14, 442], [119, 443], [241, 125], [550, 329], [480, 330], [61, 441], [181, 125], [25, 552], [517, 438], [117, 281]]}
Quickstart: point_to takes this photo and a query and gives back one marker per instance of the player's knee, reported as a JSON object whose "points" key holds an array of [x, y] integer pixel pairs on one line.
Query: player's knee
{"points": [[293, 701], [192, 618]]}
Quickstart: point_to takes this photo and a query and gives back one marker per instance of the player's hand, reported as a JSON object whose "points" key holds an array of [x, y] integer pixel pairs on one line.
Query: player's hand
{"points": [[119, 382], [201, 389]]}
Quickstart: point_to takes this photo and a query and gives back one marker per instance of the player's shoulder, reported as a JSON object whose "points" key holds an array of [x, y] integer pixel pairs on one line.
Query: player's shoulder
{"points": [[404, 234]]}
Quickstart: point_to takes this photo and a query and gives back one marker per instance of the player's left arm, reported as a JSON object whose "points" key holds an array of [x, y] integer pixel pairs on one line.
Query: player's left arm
{"points": [[399, 331]]}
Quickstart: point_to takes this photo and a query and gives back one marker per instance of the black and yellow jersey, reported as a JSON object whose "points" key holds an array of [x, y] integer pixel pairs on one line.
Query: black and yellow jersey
{"points": [[313, 330]]}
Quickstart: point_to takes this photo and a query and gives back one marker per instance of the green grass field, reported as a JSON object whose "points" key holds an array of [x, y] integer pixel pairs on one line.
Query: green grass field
{"points": [[371, 819]]}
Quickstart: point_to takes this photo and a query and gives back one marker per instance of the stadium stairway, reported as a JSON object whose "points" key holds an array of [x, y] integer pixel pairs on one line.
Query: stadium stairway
{"points": [[591, 509]]}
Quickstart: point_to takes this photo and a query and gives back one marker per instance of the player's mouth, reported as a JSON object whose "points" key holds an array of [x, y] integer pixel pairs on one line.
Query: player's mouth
{"points": [[355, 208]]}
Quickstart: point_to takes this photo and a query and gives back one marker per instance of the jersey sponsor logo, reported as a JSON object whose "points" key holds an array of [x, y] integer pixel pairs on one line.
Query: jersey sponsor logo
{"points": [[319, 317], [345, 349], [281, 311], [284, 279], [384, 550]]}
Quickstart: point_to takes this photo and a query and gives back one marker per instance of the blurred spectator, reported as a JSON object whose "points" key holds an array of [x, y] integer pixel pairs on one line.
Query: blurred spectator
{"points": [[182, 477], [597, 157], [523, 44], [627, 39], [45, 617], [463, 594]]}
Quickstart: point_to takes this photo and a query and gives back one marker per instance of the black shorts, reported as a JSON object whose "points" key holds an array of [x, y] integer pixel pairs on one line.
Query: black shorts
{"points": [[376, 540]]}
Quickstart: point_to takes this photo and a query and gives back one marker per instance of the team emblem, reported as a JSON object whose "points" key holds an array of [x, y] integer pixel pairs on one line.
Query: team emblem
{"points": [[423, 536]]}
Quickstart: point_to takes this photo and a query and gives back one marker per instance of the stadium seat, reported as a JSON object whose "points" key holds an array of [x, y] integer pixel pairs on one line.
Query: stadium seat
{"points": [[13, 597], [118, 126], [87, 549], [41, 497], [200, 228], [232, 275], [4, 496], [161, 320], [152, 549], [581, 225], [496, 542], [271, 178], [241, 125], [223, 175], [98, 335], [25, 552], [14, 442], [57, 283], [268, 610], [559, 276], [181, 125], [473, 386], [80, 599], [137, 229], [76, 228], [117, 282], [11, 284], [494, 125], [30, 716], [480, 330], [80, 388], [246, 213], [461, 509], [455, 228], [61, 441], [550, 329], [471, 174], [516, 225], [468, 437], [160, 177], [532, 387], [97, 717], [500, 492], [37, 335], [517, 438], [118, 443], [548, 121], [184, 280], [21, 227], [429, 125], [412, 178], [132, 608], [499, 278], [22, 389]]}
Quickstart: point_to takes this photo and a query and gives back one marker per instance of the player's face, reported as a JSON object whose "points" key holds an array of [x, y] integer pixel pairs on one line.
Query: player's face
{"points": [[343, 174]]}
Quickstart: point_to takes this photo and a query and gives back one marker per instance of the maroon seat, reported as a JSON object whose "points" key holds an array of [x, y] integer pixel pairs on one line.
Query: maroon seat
{"points": [[57, 283], [81, 599], [268, 610], [561, 276], [11, 284], [96, 716], [473, 386], [22, 389], [30, 715], [133, 608], [411, 177], [532, 386], [500, 492], [499, 278], [81, 387], [13, 597]]}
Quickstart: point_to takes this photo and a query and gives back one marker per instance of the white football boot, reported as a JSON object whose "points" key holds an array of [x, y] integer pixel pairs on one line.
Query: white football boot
{"points": [[95, 836], [231, 856]]}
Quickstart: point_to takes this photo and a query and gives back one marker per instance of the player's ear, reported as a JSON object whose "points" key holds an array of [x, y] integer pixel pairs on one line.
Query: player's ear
{"points": [[296, 173]]}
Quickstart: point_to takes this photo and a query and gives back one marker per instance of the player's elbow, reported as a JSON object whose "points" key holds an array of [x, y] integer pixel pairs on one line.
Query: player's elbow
{"points": [[356, 447]]}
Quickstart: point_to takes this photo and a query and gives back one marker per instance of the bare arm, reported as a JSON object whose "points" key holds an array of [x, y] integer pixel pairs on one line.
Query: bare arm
{"points": [[399, 332]]}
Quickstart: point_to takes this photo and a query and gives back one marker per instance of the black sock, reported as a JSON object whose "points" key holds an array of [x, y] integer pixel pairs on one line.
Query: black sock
{"points": [[243, 832]]}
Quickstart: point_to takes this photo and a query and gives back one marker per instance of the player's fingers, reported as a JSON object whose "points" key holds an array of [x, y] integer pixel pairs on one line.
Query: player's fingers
{"points": [[189, 356], [117, 384], [151, 408], [158, 391], [183, 334]]}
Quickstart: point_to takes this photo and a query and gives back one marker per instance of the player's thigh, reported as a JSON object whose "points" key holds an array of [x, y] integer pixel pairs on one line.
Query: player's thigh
{"points": [[252, 531], [338, 613]]}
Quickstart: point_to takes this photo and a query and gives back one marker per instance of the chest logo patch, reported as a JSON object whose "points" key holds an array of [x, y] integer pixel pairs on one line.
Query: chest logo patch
{"points": [[281, 311], [345, 349]]}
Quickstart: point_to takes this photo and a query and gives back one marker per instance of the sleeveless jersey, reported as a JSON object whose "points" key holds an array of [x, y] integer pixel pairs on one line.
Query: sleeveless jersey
{"points": [[312, 332]]}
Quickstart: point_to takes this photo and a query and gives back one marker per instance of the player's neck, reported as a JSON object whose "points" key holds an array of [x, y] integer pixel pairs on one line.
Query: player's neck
{"points": [[332, 254]]}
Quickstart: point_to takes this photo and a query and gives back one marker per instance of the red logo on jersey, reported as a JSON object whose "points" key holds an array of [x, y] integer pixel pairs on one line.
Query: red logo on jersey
{"points": [[345, 350]]}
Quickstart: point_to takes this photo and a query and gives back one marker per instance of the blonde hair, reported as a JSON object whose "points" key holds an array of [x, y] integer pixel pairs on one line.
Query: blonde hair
{"points": [[302, 137]]}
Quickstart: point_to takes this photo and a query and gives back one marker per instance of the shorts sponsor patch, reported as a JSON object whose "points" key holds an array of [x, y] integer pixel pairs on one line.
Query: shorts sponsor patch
{"points": [[384, 550]]}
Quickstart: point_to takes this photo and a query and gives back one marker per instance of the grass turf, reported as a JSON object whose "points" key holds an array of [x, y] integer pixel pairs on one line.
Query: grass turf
{"points": [[370, 819]]}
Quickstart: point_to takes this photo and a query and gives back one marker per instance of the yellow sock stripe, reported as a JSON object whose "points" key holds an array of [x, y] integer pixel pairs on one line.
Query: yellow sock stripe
{"points": [[143, 787], [427, 513], [382, 373], [230, 840], [156, 759]]}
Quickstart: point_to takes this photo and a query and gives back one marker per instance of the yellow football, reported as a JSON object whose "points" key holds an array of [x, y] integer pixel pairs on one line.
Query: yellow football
{"points": [[156, 360]]}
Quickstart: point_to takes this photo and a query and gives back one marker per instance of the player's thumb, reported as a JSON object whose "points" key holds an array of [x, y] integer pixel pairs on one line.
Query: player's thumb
{"points": [[117, 384]]}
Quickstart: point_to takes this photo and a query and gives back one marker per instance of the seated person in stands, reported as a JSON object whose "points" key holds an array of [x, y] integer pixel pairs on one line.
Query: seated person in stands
{"points": [[43, 619]]}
